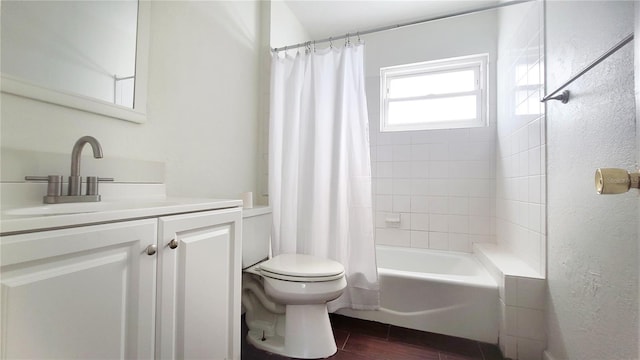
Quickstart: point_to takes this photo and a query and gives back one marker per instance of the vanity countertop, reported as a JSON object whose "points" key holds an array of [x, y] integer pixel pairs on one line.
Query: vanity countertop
{"points": [[120, 202]]}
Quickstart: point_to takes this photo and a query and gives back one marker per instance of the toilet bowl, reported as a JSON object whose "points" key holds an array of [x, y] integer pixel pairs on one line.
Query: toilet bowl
{"points": [[285, 297]]}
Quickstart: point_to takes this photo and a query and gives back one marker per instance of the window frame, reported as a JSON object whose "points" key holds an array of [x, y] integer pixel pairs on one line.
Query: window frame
{"points": [[479, 63]]}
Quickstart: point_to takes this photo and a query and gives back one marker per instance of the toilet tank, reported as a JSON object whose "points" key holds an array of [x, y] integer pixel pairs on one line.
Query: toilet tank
{"points": [[256, 235]]}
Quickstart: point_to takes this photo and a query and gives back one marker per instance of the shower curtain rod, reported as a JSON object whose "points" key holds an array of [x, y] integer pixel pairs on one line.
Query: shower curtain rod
{"points": [[397, 26]]}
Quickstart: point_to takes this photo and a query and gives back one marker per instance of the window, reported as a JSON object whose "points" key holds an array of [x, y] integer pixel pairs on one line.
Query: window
{"points": [[441, 94]]}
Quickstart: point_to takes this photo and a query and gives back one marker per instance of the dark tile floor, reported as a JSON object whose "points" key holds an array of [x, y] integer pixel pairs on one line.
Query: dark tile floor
{"points": [[366, 340]]}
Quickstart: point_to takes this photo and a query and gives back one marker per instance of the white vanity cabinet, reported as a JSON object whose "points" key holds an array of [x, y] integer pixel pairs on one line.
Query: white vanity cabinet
{"points": [[120, 291], [199, 286], [79, 293]]}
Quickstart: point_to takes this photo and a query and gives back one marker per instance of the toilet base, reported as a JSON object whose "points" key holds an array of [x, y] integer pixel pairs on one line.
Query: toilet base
{"points": [[307, 334]]}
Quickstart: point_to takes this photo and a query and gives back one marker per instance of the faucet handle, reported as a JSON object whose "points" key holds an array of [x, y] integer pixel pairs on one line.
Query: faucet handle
{"points": [[36, 178], [92, 184], [54, 183]]}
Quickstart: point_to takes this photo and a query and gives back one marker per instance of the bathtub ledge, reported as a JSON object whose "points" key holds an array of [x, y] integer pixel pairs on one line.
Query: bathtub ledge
{"points": [[501, 262], [522, 298]]}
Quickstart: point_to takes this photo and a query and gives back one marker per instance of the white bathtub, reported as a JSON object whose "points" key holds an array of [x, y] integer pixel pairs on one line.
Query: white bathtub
{"points": [[436, 291]]}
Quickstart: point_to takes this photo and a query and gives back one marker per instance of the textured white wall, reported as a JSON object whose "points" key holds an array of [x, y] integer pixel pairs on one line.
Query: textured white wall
{"points": [[202, 105], [636, 72], [203, 96], [592, 302]]}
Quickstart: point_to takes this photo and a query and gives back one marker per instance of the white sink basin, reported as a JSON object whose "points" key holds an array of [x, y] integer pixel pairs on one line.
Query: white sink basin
{"points": [[88, 207]]}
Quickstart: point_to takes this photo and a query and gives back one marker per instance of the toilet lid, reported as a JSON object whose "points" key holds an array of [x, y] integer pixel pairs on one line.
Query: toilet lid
{"points": [[303, 266]]}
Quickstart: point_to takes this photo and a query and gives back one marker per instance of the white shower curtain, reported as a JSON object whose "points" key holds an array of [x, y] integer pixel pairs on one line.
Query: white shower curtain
{"points": [[320, 168]]}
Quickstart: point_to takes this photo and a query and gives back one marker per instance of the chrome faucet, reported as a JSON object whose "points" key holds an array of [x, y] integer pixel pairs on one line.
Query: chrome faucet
{"points": [[54, 188], [75, 180]]}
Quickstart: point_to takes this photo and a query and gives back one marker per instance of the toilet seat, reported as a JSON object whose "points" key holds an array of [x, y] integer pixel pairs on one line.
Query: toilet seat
{"points": [[301, 268]]}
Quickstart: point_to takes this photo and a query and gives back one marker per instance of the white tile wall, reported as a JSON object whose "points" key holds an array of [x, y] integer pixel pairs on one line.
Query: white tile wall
{"points": [[520, 182], [444, 180], [440, 182], [522, 319], [521, 143]]}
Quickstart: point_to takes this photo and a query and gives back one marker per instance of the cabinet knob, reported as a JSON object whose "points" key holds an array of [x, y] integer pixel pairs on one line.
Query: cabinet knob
{"points": [[173, 243], [151, 249]]}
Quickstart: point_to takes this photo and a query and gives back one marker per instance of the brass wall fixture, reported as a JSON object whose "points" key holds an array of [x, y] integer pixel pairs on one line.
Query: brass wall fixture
{"points": [[616, 181]]}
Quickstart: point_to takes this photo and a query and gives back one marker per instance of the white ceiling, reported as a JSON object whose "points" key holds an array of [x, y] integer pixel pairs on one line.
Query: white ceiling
{"points": [[325, 18]]}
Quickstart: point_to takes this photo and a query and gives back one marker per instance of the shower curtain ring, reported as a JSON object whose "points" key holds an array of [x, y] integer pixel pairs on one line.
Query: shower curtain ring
{"points": [[330, 43], [358, 34]]}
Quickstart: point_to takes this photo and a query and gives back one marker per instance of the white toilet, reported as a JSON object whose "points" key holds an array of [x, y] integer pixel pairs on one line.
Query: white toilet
{"points": [[285, 297]]}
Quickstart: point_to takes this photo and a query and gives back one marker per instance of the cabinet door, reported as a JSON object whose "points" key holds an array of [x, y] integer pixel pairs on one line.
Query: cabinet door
{"points": [[199, 286], [79, 293]]}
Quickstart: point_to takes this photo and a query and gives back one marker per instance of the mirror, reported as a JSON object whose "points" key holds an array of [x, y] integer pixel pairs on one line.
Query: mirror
{"points": [[88, 55]]}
